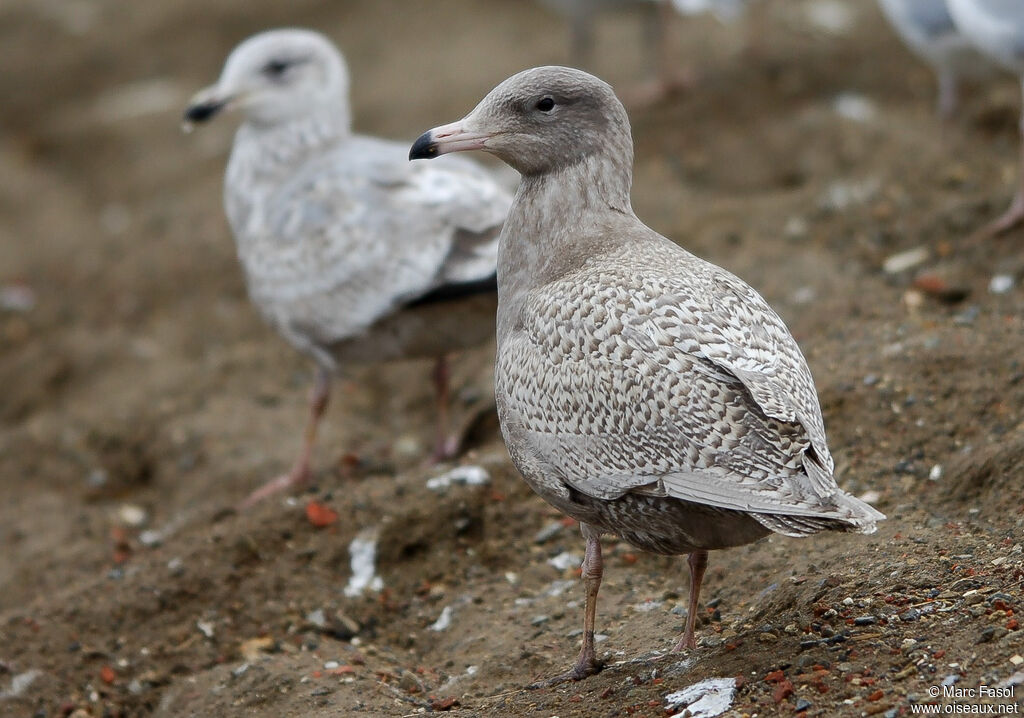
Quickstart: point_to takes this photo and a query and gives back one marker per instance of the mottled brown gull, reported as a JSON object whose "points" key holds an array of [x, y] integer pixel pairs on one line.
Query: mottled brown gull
{"points": [[349, 252], [641, 390]]}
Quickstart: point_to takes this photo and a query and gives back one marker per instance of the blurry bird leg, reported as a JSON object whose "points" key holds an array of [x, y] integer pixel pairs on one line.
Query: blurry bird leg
{"points": [[587, 663], [1014, 215], [300, 472], [445, 446], [698, 562], [663, 80], [948, 94]]}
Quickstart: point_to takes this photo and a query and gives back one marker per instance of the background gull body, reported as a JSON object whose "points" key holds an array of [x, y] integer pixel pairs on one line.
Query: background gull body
{"points": [[927, 28], [664, 77], [996, 28], [641, 390], [350, 253]]}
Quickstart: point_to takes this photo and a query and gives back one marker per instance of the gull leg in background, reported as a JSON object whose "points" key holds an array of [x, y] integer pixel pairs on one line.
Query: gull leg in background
{"points": [[664, 80], [445, 445], [1014, 215], [587, 663], [949, 94], [300, 472], [698, 562]]}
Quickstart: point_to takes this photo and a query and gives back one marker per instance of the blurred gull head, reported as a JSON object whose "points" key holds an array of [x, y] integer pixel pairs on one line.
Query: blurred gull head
{"points": [[275, 77]]}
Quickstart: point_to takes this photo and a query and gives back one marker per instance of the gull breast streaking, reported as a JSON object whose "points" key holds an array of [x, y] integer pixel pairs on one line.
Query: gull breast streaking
{"points": [[349, 252], [996, 28], [641, 390]]}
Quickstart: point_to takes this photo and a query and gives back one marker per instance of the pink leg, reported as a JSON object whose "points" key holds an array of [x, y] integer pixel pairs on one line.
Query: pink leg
{"points": [[948, 94], [1014, 215], [300, 472], [587, 663], [445, 446], [698, 562], [665, 80]]}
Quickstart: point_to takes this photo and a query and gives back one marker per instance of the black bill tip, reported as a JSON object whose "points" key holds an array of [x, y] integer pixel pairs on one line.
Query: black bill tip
{"points": [[424, 148], [202, 111]]}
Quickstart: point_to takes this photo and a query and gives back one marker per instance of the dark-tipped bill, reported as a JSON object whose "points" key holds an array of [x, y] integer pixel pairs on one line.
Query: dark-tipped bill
{"points": [[202, 111], [445, 139]]}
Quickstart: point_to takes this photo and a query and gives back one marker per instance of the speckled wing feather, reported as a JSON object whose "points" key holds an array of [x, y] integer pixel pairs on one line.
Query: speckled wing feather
{"points": [[651, 371], [354, 233]]}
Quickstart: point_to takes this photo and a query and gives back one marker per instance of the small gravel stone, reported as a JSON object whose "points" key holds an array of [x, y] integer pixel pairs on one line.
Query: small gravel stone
{"points": [[802, 705], [865, 620], [548, 532]]}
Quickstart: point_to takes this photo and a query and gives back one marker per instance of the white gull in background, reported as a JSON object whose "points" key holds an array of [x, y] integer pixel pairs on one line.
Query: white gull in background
{"points": [[996, 28], [349, 252], [664, 78], [641, 390], [927, 28]]}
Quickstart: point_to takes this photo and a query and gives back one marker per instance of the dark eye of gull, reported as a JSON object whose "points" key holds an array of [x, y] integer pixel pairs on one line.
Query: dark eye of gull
{"points": [[545, 104], [276, 68]]}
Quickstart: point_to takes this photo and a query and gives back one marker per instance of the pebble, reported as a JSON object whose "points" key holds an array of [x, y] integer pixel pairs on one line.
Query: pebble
{"points": [[802, 705], [902, 261], [854, 106], [151, 538], [967, 316], [564, 561], [910, 615], [548, 532], [710, 697], [460, 476], [17, 298], [865, 620], [539, 620], [443, 621], [1016, 659], [1000, 284]]}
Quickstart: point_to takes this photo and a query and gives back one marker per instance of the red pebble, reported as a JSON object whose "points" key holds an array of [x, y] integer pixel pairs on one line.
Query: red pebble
{"points": [[877, 695], [107, 675], [775, 676], [782, 691], [444, 704], [320, 515]]}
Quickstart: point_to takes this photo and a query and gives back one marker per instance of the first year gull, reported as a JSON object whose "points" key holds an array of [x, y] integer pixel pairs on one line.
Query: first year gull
{"points": [[641, 390], [996, 27], [927, 28], [349, 252]]}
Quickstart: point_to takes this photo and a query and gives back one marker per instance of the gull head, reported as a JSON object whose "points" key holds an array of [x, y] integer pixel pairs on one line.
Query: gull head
{"points": [[538, 121], [274, 77]]}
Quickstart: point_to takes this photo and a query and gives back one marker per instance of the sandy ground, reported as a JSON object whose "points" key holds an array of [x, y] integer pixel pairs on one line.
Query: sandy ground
{"points": [[141, 397]]}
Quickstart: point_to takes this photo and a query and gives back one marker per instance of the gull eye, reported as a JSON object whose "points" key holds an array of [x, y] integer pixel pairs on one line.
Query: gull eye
{"points": [[276, 68], [545, 104]]}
